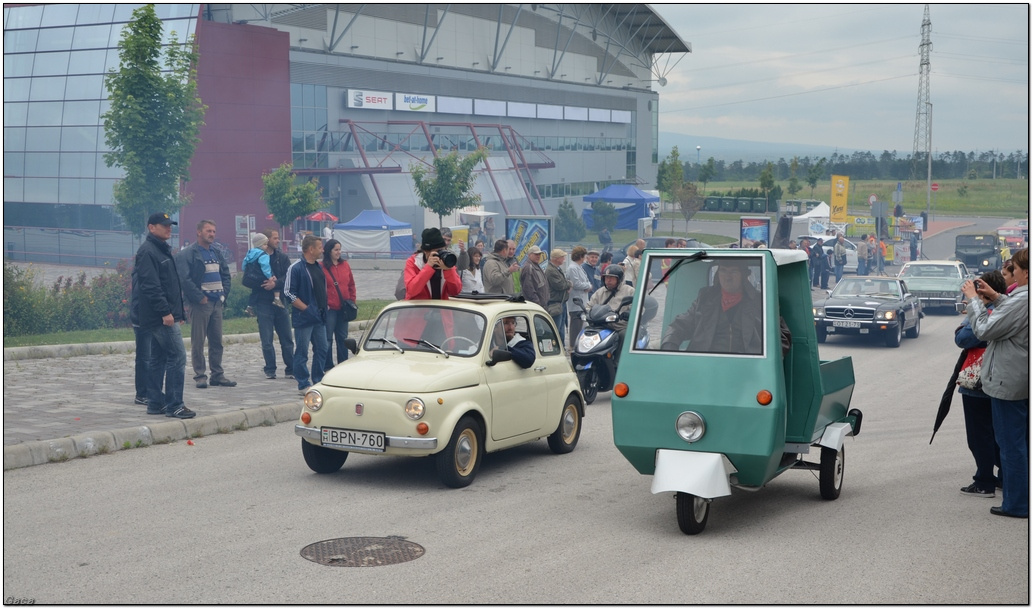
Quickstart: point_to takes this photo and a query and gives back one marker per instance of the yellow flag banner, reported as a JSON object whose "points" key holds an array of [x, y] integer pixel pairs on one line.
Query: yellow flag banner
{"points": [[837, 204]]}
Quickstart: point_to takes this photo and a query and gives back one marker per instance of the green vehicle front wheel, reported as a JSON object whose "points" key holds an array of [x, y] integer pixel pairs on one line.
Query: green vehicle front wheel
{"points": [[830, 474], [692, 512]]}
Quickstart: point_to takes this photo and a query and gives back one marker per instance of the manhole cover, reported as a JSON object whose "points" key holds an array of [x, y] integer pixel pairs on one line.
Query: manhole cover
{"points": [[362, 551]]}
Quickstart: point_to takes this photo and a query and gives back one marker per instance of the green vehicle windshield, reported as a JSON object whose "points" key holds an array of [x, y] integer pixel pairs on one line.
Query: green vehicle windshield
{"points": [[710, 305]]}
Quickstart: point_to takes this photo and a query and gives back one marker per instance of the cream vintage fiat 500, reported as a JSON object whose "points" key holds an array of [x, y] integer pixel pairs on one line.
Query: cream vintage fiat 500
{"points": [[445, 378]]}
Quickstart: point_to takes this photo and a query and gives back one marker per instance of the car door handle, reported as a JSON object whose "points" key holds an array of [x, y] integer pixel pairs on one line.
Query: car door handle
{"points": [[539, 368]]}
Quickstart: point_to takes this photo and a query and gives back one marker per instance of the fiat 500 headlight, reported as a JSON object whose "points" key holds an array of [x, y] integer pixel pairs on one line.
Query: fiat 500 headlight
{"points": [[414, 409], [313, 400], [690, 426]]}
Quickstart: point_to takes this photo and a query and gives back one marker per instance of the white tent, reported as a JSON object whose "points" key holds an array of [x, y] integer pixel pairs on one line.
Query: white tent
{"points": [[814, 222]]}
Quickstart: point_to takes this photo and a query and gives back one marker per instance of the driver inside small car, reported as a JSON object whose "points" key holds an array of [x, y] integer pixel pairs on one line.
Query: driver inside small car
{"points": [[505, 337]]}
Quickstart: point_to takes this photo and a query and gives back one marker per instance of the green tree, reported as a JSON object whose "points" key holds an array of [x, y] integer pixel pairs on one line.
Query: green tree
{"points": [[286, 198], [767, 180], [670, 174], [604, 215], [690, 200], [707, 173], [815, 173], [794, 182], [569, 227], [448, 186], [153, 125]]}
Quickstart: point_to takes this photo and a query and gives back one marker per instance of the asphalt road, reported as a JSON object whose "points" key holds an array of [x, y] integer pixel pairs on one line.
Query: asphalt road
{"points": [[224, 520]]}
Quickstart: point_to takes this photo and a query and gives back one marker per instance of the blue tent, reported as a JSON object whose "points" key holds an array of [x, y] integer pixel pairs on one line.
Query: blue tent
{"points": [[631, 204], [374, 234]]}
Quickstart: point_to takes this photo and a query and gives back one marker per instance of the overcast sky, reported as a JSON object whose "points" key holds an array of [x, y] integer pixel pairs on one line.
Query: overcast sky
{"points": [[847, 75]]}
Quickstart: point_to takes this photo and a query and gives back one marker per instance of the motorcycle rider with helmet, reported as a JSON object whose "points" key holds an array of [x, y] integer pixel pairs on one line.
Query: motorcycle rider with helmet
{"points": [[611, 294]]}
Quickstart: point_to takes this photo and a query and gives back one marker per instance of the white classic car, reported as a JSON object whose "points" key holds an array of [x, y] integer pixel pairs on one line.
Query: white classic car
{"points": [[446, 378]]}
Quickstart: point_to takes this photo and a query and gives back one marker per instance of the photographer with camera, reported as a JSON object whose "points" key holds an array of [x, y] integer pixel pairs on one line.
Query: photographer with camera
{"points": [[431, 272]]}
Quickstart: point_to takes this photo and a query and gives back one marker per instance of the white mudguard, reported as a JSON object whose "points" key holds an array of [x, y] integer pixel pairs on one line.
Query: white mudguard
{"points": [[834, 434], [701, 474]]}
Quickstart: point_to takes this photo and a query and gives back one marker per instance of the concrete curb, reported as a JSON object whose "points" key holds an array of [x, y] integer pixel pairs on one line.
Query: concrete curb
{"points": [[128, 346], [164, 431], [44, 351]]}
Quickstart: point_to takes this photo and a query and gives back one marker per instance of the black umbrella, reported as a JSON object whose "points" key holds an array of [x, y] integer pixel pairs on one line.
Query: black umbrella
{"points": [[948, 395]]}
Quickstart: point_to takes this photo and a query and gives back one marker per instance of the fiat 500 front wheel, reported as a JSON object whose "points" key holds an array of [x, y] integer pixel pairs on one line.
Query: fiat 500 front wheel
{"points": [[458, 464]]}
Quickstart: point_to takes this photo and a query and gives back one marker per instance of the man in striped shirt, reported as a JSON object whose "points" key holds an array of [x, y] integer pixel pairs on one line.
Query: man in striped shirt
{"points": [[205, 279]]}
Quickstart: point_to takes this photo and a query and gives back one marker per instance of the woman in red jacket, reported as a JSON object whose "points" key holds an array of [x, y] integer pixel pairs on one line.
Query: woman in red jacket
{"points": [[340, 300], [426, 278]]}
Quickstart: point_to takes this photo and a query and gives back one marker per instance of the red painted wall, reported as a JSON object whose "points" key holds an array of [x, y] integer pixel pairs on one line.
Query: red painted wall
{"points": [[243, 76]]}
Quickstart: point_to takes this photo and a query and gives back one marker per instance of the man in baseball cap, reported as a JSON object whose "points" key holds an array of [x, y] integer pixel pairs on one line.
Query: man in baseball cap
{"points": [[533, 284], [157, 308], [161, 219]]}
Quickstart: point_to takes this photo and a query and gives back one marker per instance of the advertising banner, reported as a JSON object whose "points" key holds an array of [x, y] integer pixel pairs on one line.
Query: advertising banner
{"points": [[753, 231], [528, 231], [412, 102], [837, 204], [369, 100]]}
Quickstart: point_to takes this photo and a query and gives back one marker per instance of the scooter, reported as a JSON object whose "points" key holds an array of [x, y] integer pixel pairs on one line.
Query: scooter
{"points": [[598, 345]]}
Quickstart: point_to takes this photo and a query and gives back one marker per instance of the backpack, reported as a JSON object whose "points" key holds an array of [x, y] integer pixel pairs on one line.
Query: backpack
{"points": [[253, 275]]}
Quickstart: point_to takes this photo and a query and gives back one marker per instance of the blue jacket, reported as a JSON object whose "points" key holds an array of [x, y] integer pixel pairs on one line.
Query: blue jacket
{"points": [[298, 286]]}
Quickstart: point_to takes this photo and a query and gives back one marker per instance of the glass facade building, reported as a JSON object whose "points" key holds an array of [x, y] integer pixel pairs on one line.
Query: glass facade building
{"points": [[55, 59], [558, 94]]}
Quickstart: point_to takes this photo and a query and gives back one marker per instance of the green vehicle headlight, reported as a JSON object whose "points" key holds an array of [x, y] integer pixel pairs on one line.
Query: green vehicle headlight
{"points": [[690, 426]]}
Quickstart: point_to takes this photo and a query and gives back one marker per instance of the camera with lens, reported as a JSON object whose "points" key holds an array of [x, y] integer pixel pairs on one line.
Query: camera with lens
{"points": [[447, 258]]}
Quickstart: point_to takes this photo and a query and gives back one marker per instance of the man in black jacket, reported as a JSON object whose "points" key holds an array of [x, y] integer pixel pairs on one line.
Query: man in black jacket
{"points": [[270, 311], [157, 304]]}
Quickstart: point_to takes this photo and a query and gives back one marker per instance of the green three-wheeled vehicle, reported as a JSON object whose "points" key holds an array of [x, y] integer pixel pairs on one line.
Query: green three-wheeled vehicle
{"points": [[730, 391]]}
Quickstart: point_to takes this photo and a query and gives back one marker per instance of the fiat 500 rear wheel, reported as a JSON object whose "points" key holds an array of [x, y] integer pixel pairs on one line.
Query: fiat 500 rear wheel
{"points": [[322, 460], [564, 439], [458, 464]]}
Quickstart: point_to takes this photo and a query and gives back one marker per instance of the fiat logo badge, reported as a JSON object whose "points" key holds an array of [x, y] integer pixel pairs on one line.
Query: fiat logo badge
{"points": [[359, 408]]}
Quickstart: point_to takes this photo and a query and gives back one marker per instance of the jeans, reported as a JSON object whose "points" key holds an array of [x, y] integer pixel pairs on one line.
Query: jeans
{"points": [[206, 324], [1011, 428], [143, 359], [862, 267], [337, 328], [979, 431], [882, 265], [271, 317], [167, 364], [561, 323], [839, 273], [316, 336]]}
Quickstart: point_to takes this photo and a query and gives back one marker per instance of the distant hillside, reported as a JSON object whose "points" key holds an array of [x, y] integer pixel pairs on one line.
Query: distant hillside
{"points": [[738, 150]]}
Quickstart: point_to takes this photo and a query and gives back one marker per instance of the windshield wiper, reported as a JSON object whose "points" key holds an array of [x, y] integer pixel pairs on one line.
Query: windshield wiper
{"points": [[692, 258], [390, 342], [420, 341]]}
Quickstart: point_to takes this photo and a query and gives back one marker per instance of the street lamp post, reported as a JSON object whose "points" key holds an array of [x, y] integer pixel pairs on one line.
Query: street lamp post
{"points": [[698, 148]]}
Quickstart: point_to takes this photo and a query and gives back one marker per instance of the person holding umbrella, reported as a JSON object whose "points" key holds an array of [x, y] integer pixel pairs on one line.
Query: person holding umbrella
{"points": [[979, 420], [1005, 378]]}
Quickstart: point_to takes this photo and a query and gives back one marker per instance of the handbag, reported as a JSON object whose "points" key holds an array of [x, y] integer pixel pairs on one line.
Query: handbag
{"points": [[348, 309], [968, 377]]}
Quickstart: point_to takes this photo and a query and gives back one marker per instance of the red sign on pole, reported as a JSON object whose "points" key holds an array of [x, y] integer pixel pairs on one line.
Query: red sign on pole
{"points": [[935, 187]]}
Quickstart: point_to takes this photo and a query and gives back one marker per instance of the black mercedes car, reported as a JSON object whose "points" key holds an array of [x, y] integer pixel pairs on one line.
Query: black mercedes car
{"points": [[869, 305]]}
